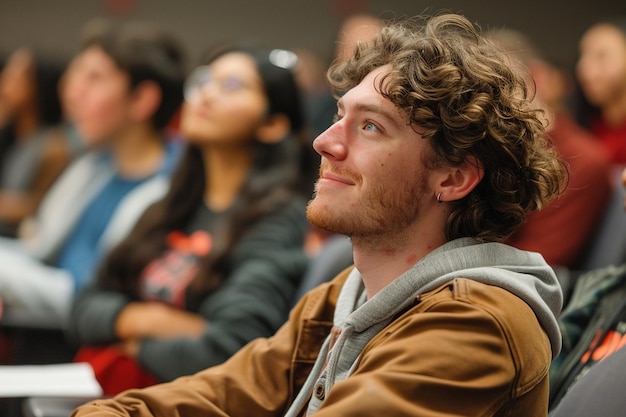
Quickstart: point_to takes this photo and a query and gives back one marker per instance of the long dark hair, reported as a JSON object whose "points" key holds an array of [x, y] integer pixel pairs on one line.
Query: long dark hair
{"points": [[270, 184], [45, 73]]}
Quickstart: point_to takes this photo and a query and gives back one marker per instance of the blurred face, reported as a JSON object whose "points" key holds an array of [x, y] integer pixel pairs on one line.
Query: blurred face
{"points": [[601, 68], [551, 84], [17, 86], [372, 181], [96, 96], [225, 102]]}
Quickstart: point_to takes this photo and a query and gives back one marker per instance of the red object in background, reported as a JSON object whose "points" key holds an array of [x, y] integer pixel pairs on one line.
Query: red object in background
{"points": [[114, 370], [345, 8], [174, 123], [120, 8], [7, 347]]}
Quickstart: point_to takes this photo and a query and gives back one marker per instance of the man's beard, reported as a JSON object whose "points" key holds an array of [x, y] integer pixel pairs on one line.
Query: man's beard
{"points": [[380, 210]]}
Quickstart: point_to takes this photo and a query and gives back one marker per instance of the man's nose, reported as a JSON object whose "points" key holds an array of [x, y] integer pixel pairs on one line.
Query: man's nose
{"points": [[331, 143]]}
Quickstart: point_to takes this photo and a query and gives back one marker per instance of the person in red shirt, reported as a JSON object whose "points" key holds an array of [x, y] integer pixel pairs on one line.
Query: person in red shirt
{"points": [[561, 231]]}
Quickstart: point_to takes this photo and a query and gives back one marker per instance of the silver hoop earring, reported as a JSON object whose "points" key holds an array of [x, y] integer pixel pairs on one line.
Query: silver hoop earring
{"points": [[439, 198]]}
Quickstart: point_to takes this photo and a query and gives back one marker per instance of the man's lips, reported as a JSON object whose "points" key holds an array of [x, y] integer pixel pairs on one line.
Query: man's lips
{"points": [[337, 178]]}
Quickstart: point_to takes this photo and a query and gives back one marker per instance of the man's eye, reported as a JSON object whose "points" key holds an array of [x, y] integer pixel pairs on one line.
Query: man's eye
{"points": [[336, 118], [371, 127]]}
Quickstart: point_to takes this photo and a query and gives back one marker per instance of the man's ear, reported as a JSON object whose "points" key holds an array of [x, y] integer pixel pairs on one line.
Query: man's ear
{"points": [[457, 182], [274, 128], [145, 101]]}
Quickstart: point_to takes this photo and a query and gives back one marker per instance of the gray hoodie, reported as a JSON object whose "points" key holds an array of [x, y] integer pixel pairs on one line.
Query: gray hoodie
{"points": [[522, 273]]}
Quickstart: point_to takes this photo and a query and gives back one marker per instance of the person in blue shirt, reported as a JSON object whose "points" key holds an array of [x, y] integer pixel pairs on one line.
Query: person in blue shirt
{"points": [[120, 91]]}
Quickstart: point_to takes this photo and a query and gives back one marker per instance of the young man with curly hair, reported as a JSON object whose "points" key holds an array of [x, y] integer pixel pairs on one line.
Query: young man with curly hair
{"points": [[435, 156]]}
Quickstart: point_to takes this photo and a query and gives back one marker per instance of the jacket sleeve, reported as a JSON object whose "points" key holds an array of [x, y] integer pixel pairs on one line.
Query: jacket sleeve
{"points": [[93, 315], [253, 382], [254, 301]]}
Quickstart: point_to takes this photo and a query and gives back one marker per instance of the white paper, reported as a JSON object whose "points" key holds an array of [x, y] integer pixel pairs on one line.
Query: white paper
{"points": [[67, 380]]}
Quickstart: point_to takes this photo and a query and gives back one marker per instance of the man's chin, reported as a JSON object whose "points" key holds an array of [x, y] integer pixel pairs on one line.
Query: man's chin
{"points": [[321, 218], [313, 215]]}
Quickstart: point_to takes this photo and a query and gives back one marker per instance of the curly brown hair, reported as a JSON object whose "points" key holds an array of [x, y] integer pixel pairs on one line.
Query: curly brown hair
{"points": [[459, 91]]}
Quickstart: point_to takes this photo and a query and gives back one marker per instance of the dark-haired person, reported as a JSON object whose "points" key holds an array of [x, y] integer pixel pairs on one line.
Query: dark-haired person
{"points": [[435, 156], [35, 144], [601, 73], [120, 92], [216, 263]]}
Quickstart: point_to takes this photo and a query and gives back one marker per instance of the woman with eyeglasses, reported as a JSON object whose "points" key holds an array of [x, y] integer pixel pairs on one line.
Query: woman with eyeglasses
{"points": [[217, 262]]}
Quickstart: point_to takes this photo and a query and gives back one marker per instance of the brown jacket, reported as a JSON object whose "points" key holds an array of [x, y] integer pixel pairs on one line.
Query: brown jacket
{"points": [[463, 349]]}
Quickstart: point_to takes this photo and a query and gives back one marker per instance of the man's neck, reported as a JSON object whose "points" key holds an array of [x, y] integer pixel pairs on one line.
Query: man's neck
{"points": [[138, 151], [380, 261]]}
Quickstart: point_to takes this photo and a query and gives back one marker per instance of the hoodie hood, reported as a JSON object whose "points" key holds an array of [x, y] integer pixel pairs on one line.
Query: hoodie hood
{"points": [[525, 274]]}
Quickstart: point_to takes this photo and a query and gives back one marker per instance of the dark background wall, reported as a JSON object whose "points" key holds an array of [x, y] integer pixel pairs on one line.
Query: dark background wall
{"points": [[555, 25]]}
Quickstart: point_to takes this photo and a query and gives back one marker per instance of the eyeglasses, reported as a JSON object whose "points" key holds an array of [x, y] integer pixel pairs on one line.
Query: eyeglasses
{"points": [[202, 76]]}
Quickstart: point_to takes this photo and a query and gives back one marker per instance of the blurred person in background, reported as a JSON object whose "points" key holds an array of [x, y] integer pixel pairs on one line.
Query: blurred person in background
{"points": [[36, 144], [121, 91], [593, 325], [601, 74], [563, 229], [216, 263]]}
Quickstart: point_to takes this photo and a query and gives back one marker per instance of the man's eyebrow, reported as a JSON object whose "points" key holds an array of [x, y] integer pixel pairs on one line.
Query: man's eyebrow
{"points": [[374, 108]]}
